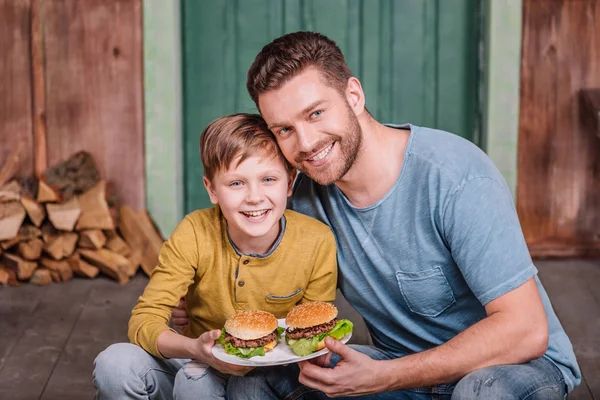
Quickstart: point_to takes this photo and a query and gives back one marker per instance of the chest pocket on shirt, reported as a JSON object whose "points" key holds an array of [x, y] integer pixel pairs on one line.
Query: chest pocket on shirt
{"points": [[426, 293], [291, 298]]}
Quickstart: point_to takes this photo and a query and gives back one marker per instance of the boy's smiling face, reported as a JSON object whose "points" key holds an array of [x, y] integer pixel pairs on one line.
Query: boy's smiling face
{"points": [[252, 196]]}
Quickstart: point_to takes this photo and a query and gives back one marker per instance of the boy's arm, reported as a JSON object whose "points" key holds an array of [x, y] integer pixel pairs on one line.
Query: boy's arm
{"points": [[177, 263], [323, 280]]}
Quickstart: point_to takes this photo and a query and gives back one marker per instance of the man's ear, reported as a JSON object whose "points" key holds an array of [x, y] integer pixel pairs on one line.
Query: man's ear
{"points": [[211, 190], [355, 96], [291, 180]]}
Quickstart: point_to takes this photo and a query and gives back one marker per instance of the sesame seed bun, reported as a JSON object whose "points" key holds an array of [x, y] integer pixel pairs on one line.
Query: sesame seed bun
{"points": [[251, 324], [310, 314]]}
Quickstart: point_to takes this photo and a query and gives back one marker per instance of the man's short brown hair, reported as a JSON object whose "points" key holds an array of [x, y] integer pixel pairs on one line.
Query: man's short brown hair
{"points": [[235, 138], [288, 55]]}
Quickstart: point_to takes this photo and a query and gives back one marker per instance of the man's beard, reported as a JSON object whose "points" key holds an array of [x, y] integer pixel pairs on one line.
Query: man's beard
{"points": [[334, 170]]}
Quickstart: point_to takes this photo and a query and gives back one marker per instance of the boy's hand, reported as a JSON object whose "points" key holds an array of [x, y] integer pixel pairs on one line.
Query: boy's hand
{"points": [[205, 343], [179, 315]]}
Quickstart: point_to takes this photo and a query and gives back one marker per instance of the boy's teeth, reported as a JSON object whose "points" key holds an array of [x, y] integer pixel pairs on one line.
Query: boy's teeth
{"points": [[255, 213], [322, 154]]}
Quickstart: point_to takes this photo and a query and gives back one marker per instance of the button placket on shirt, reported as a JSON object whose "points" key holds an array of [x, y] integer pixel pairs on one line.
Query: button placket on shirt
{"points": [[240, 282]]}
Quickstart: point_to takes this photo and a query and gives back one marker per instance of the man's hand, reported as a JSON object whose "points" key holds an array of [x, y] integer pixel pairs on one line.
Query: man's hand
{"points": [[204, 349], [352, 376], [179, 315]]}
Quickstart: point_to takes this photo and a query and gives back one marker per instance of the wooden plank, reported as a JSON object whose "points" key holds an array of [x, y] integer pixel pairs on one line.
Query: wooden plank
{"points": [[558, 147], [33, 358], [39, 90], [94, 70], [576, 301], [103, 321], [15, 85]]}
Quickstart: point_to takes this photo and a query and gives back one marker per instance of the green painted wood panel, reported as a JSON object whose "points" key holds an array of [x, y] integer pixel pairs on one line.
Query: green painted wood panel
{"points": [[416, 59]]}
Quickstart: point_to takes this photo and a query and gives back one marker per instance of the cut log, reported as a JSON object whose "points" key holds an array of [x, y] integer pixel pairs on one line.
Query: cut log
{"points": [[54, 246], [29, 232], [32, 249], [10, 192], [135, 260], [60, 270], [69, 240], [92, 239], [8, 276], [26, 232], [82, 268], [7, 244], [46, 193], [95, 213], [41, 276], [12, 165], [4, 275], [35, 210], [24, 269], [118, 245], [140, 233], [110, 263], [64, 215], [12, 215]]}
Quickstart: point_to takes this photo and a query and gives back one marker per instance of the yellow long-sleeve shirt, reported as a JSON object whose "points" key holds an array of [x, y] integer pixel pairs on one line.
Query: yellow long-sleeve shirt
{"points": [[199, 262]]}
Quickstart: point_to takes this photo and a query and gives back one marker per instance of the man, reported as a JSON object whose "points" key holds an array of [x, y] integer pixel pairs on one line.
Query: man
{"points": [[430, 250]]}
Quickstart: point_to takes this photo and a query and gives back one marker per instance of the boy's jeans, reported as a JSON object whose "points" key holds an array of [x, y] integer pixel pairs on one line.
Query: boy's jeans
{"points": [[536, 380], [126, 371]]}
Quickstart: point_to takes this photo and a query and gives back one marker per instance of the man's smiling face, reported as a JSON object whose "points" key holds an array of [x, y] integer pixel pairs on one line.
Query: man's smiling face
{"points": [[315, 127]]}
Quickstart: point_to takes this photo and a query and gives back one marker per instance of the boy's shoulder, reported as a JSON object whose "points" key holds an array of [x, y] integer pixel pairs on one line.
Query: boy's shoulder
{"points": [[304, 224], [207, 218]]}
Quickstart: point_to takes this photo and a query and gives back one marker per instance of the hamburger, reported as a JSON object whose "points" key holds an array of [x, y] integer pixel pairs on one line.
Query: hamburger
{"points": [[310, 323], [250, 333]]}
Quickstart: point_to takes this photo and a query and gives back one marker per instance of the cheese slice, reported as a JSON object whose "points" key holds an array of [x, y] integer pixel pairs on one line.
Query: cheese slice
{"points": [[270, 346]]}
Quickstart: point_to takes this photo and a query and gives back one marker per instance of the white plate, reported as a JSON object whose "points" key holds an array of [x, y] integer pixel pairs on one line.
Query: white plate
{"points": [[280, 355]]}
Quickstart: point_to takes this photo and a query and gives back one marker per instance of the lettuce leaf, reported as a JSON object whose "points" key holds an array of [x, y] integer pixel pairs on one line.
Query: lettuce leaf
{"points": [[242, 352], [305, 346], [280, 331], [341, 329]]}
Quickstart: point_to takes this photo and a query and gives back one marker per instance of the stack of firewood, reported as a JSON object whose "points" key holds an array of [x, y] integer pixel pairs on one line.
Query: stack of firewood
{"points": [[69, 223]]}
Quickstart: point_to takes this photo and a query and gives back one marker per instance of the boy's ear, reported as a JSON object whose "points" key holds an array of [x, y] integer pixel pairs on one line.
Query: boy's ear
{"points": [[291, 181], [211, 190]]}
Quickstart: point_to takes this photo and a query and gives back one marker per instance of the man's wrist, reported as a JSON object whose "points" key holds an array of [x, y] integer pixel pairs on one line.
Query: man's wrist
{"points": [[386, 376], [390, 375]]}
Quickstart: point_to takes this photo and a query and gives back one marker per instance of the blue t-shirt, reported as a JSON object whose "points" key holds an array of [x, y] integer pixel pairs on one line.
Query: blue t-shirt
{"points": [[421, 263]]}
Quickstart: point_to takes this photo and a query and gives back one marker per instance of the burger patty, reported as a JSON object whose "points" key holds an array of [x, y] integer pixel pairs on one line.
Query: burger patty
{"points": [[299, 333], [251, 343]]}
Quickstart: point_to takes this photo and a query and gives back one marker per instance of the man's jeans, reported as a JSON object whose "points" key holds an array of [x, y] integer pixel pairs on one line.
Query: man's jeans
{"points": [[126, 371], [536, 380]]}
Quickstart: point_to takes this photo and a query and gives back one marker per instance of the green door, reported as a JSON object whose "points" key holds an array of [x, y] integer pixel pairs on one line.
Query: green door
{"points": [[416, 60]]}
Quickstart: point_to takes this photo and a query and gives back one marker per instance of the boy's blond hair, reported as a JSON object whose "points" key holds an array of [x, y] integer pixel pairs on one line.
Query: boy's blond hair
{"points": [[235, 138]]}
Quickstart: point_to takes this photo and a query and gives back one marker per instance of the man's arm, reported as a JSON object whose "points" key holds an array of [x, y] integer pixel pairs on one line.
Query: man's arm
{"points": [[514, 331]]}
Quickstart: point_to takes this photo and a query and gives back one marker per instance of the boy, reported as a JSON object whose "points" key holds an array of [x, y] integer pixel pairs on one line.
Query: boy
{"points": [[248, 252]]}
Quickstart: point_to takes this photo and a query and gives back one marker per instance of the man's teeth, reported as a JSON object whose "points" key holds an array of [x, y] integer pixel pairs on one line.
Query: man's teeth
{"points": [[322, 154], [255, 213]]}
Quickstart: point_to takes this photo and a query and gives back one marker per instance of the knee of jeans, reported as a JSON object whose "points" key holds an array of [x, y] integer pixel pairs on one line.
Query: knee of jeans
{"points": [[481, 384], [194, 378], [193, 370], [116, 361]]}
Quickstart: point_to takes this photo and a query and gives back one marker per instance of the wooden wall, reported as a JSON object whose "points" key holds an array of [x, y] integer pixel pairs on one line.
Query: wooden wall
{"points": [[558, 190], [92, 85], [15, 82]]}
